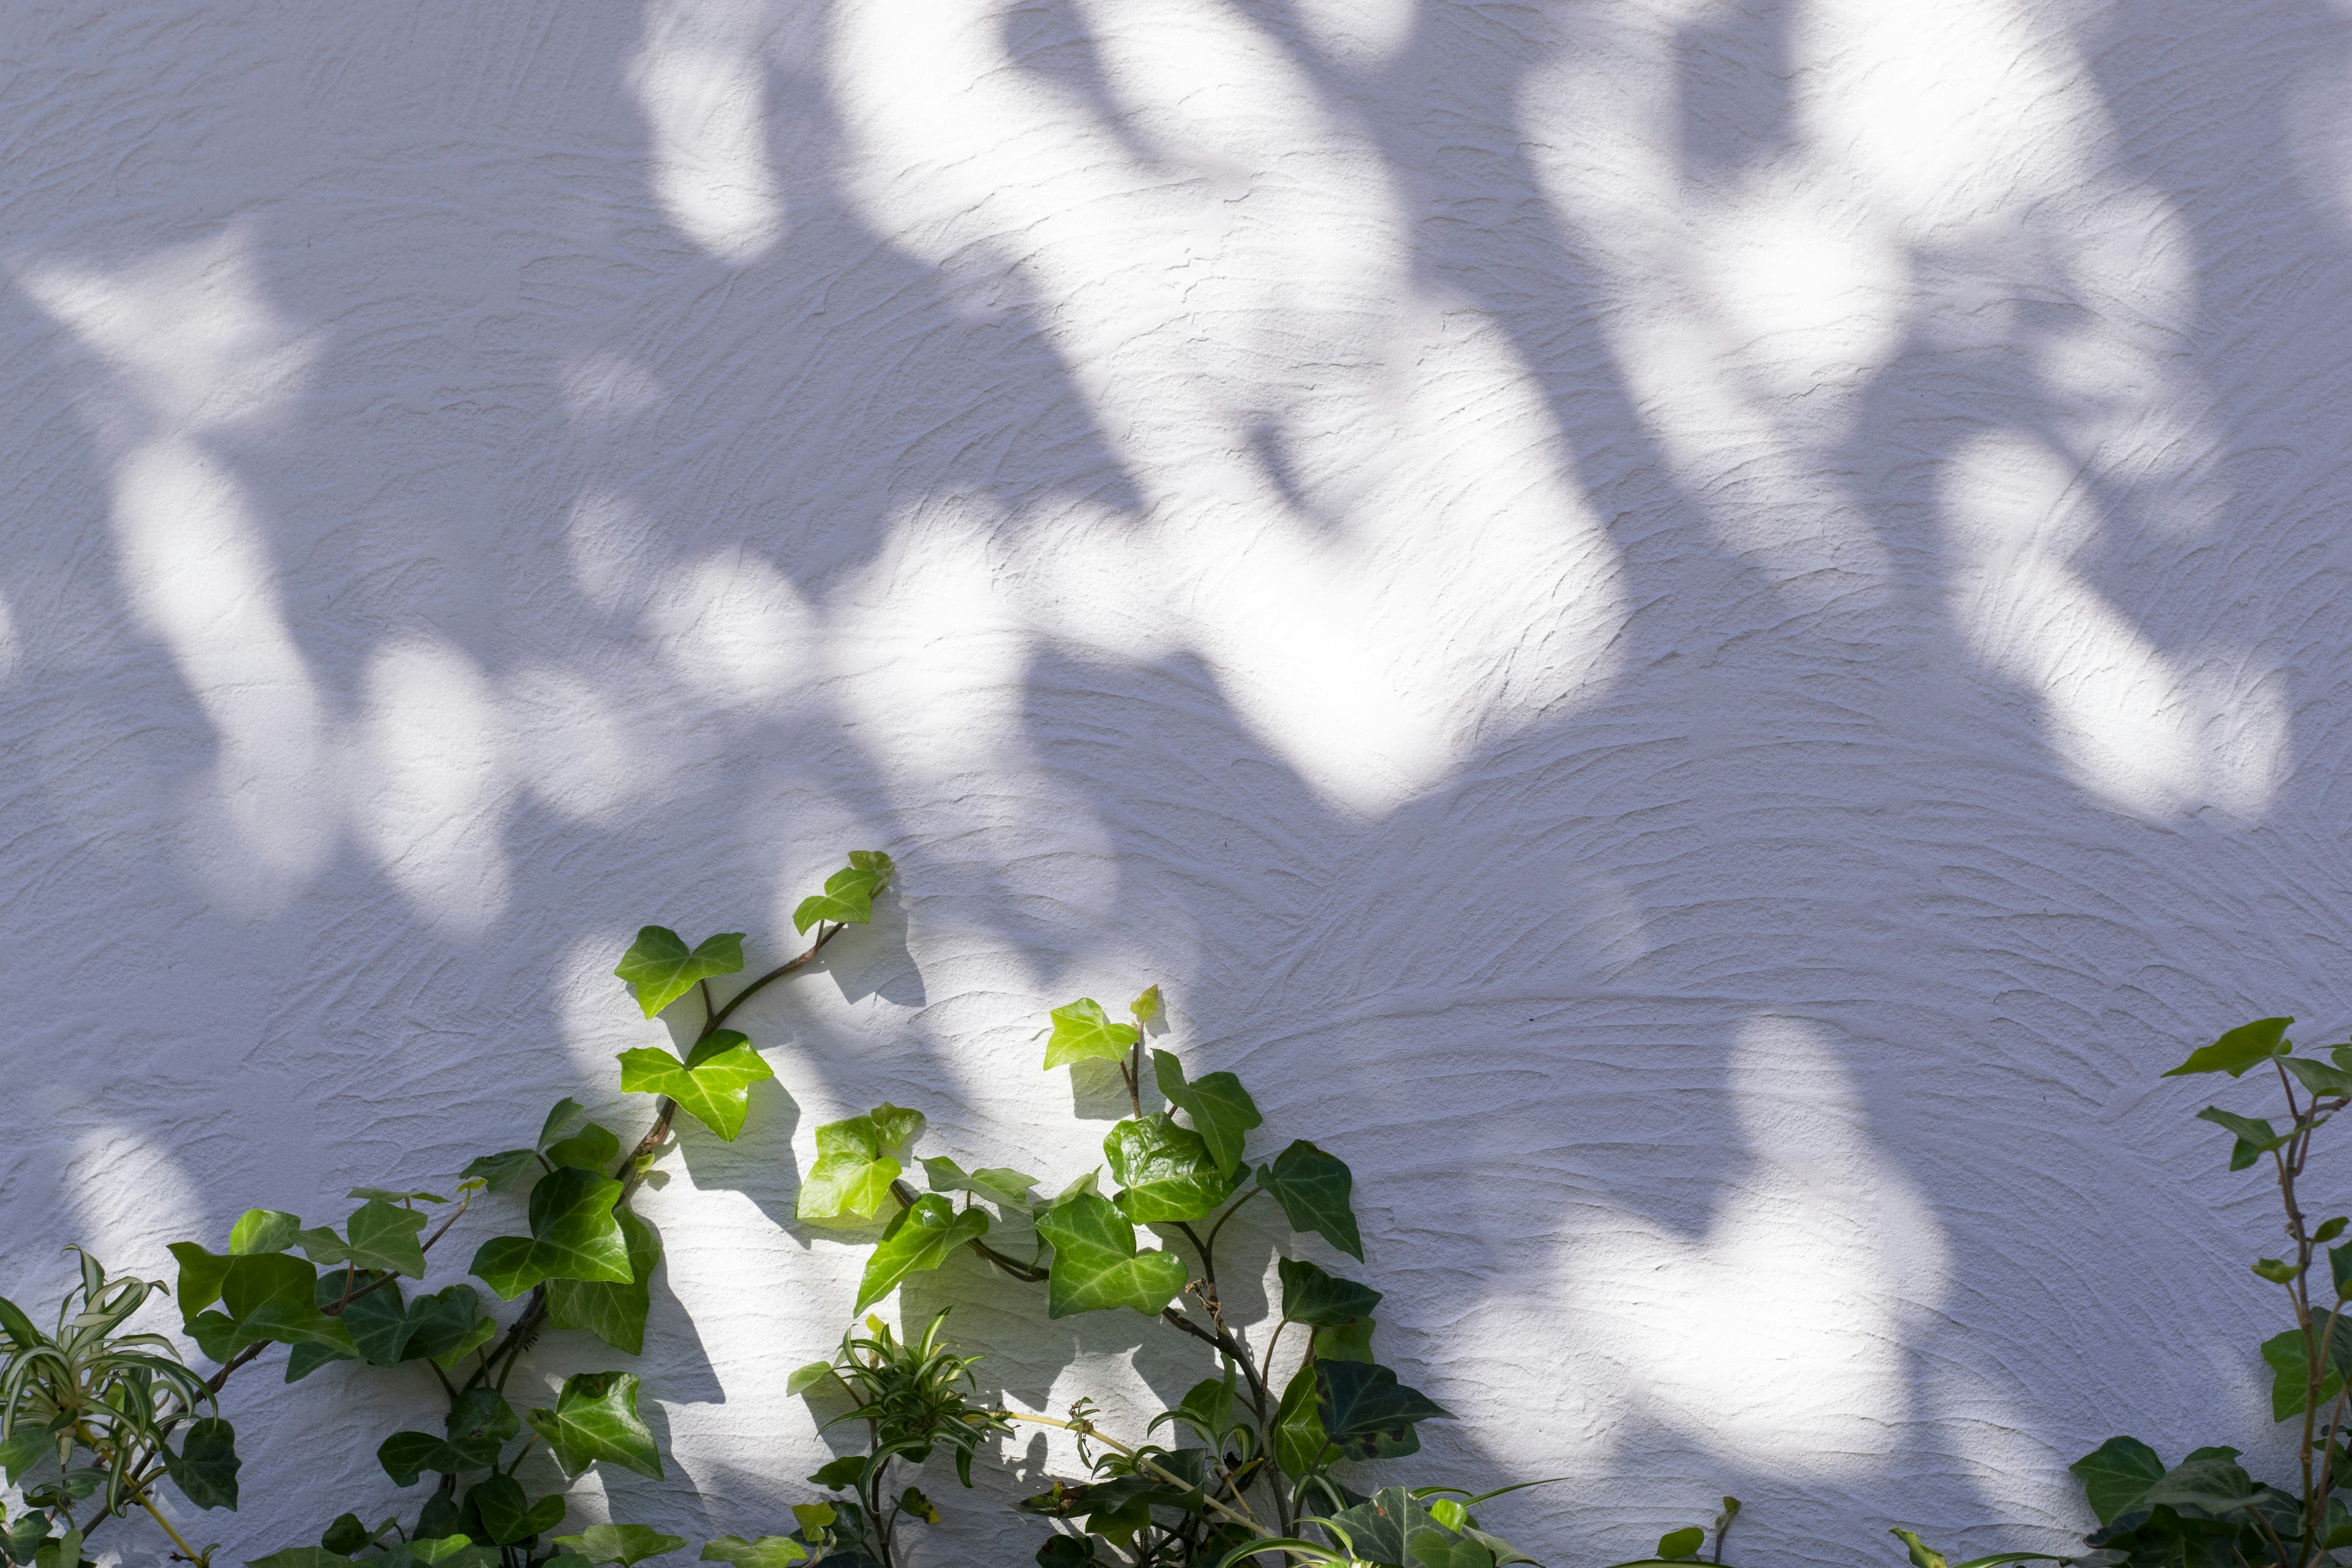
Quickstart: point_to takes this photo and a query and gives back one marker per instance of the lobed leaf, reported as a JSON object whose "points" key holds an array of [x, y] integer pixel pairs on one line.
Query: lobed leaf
{"points": [[1082, 1031], [613, 1311], [2255, 1137], [849, 893], [593, 1148], [919, 1238], [595, 1417], [267, 1296], [855, 1167], [383, 1240], [510, 1514], [1221, 1109], [1313, 1188], [204, 1469], [621, 1544], [1166, 1171], [405, 1455], [1322, 1300], [574, 1235], [1366, 1412], [262, 1230], [994, 1183], [1095, 1266], [2289, 1356], [768, 1552], [660, 968], [713, 1084]]}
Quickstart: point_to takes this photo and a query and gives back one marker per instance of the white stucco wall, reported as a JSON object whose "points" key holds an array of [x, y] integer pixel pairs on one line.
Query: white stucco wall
{"points": [[1699, 633]]}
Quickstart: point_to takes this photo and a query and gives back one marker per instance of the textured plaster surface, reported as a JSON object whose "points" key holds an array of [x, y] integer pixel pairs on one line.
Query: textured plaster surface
{"points": [[1699, 633]]}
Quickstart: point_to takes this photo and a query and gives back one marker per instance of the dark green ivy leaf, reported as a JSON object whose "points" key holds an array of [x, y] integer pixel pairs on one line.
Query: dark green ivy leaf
{"points": [[574, 1235], [2323, 1081], [2241, 1048], [1322, 1300], [383, 1240], [615, 1314], [405, 1455], [267, 1296], [713, 1084], [499, 1171], [595, 1417], [1366, 1411], [1682, 1545], [204, 1469], [346, 1535], [1165, 1170], [593, 1148], [1206, 1411], [660, 969], [2289, 1355], [509, 1513], [1221, 1109], [919, 1238], [1312, 1188], [2255, 1137]]}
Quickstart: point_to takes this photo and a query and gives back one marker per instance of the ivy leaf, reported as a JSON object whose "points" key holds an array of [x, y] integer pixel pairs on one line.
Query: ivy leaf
{"points": [[1682, 1545], [267, 1296], [1095, 1266], [994, 1183], [573, 1236], [849, 893], [482, 1413], [405, 1455], [1207, 1409], [560, 1117], [593, 1148], [499, 1171], [204, 1469], [713, 1084], [768, 1552], [853, 1168], [595, 1417], [1083, 1032], [508, 1512], [1298, 1438], [2255, 1137], [383, 1240], [2323, 1081], [1221, 1109], [621, 1544], [1385, 1526], [919, 1238], [1321, 1300], [807, 1376], [660, 969], [2242, 1047], [391, 1196], [447, 1325], [615, 1314], [2116, 1475], [1366, 1412], [1349, 1341], [2289, 1355], [1166, 1171], [1312, 1188], [302, 1557], [262, 1230]]}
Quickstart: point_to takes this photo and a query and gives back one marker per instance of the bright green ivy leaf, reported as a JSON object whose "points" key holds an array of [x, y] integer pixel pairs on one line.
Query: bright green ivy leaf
{"points": [[713, 1084], [201, 1276], [2255, 1137], [1221, 1109], [593, 1148], [615, 1314], [1298, 1438], [1322, 1300], [994, 1183], [621, 1544], [1165, 1170], [267, 1296], [855, 1166], [574, 1235], [383, 1240], [919, 1238], [1313, 1188], [204, 1469], [262, 1230], [512, 1514], [807, 1376], [1366, 1411], [660, 968], [1147, 1007], [1083, 1032], [768, 1552], [1096, 1264], [2241, 1048], [595, 1417], [849, 893]]}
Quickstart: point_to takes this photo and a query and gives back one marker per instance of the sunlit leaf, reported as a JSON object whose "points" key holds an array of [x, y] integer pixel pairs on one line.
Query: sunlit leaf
{"points": [[849, 893], [713, 1084], [267, 1296], [1322, 1300], [2242, 1047], [614, 1312], [1221, 1109], [1096, 1264], [1083, 1032], [382, 1238], [855, 1167], [262, 1230], [768, 1552], [595, 1417], [1313, 1188], [994, 1183], [573, 1236], [622, 1543], [660, 968], [919, 1238], [1165, 1171], [1147, 1007]]}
